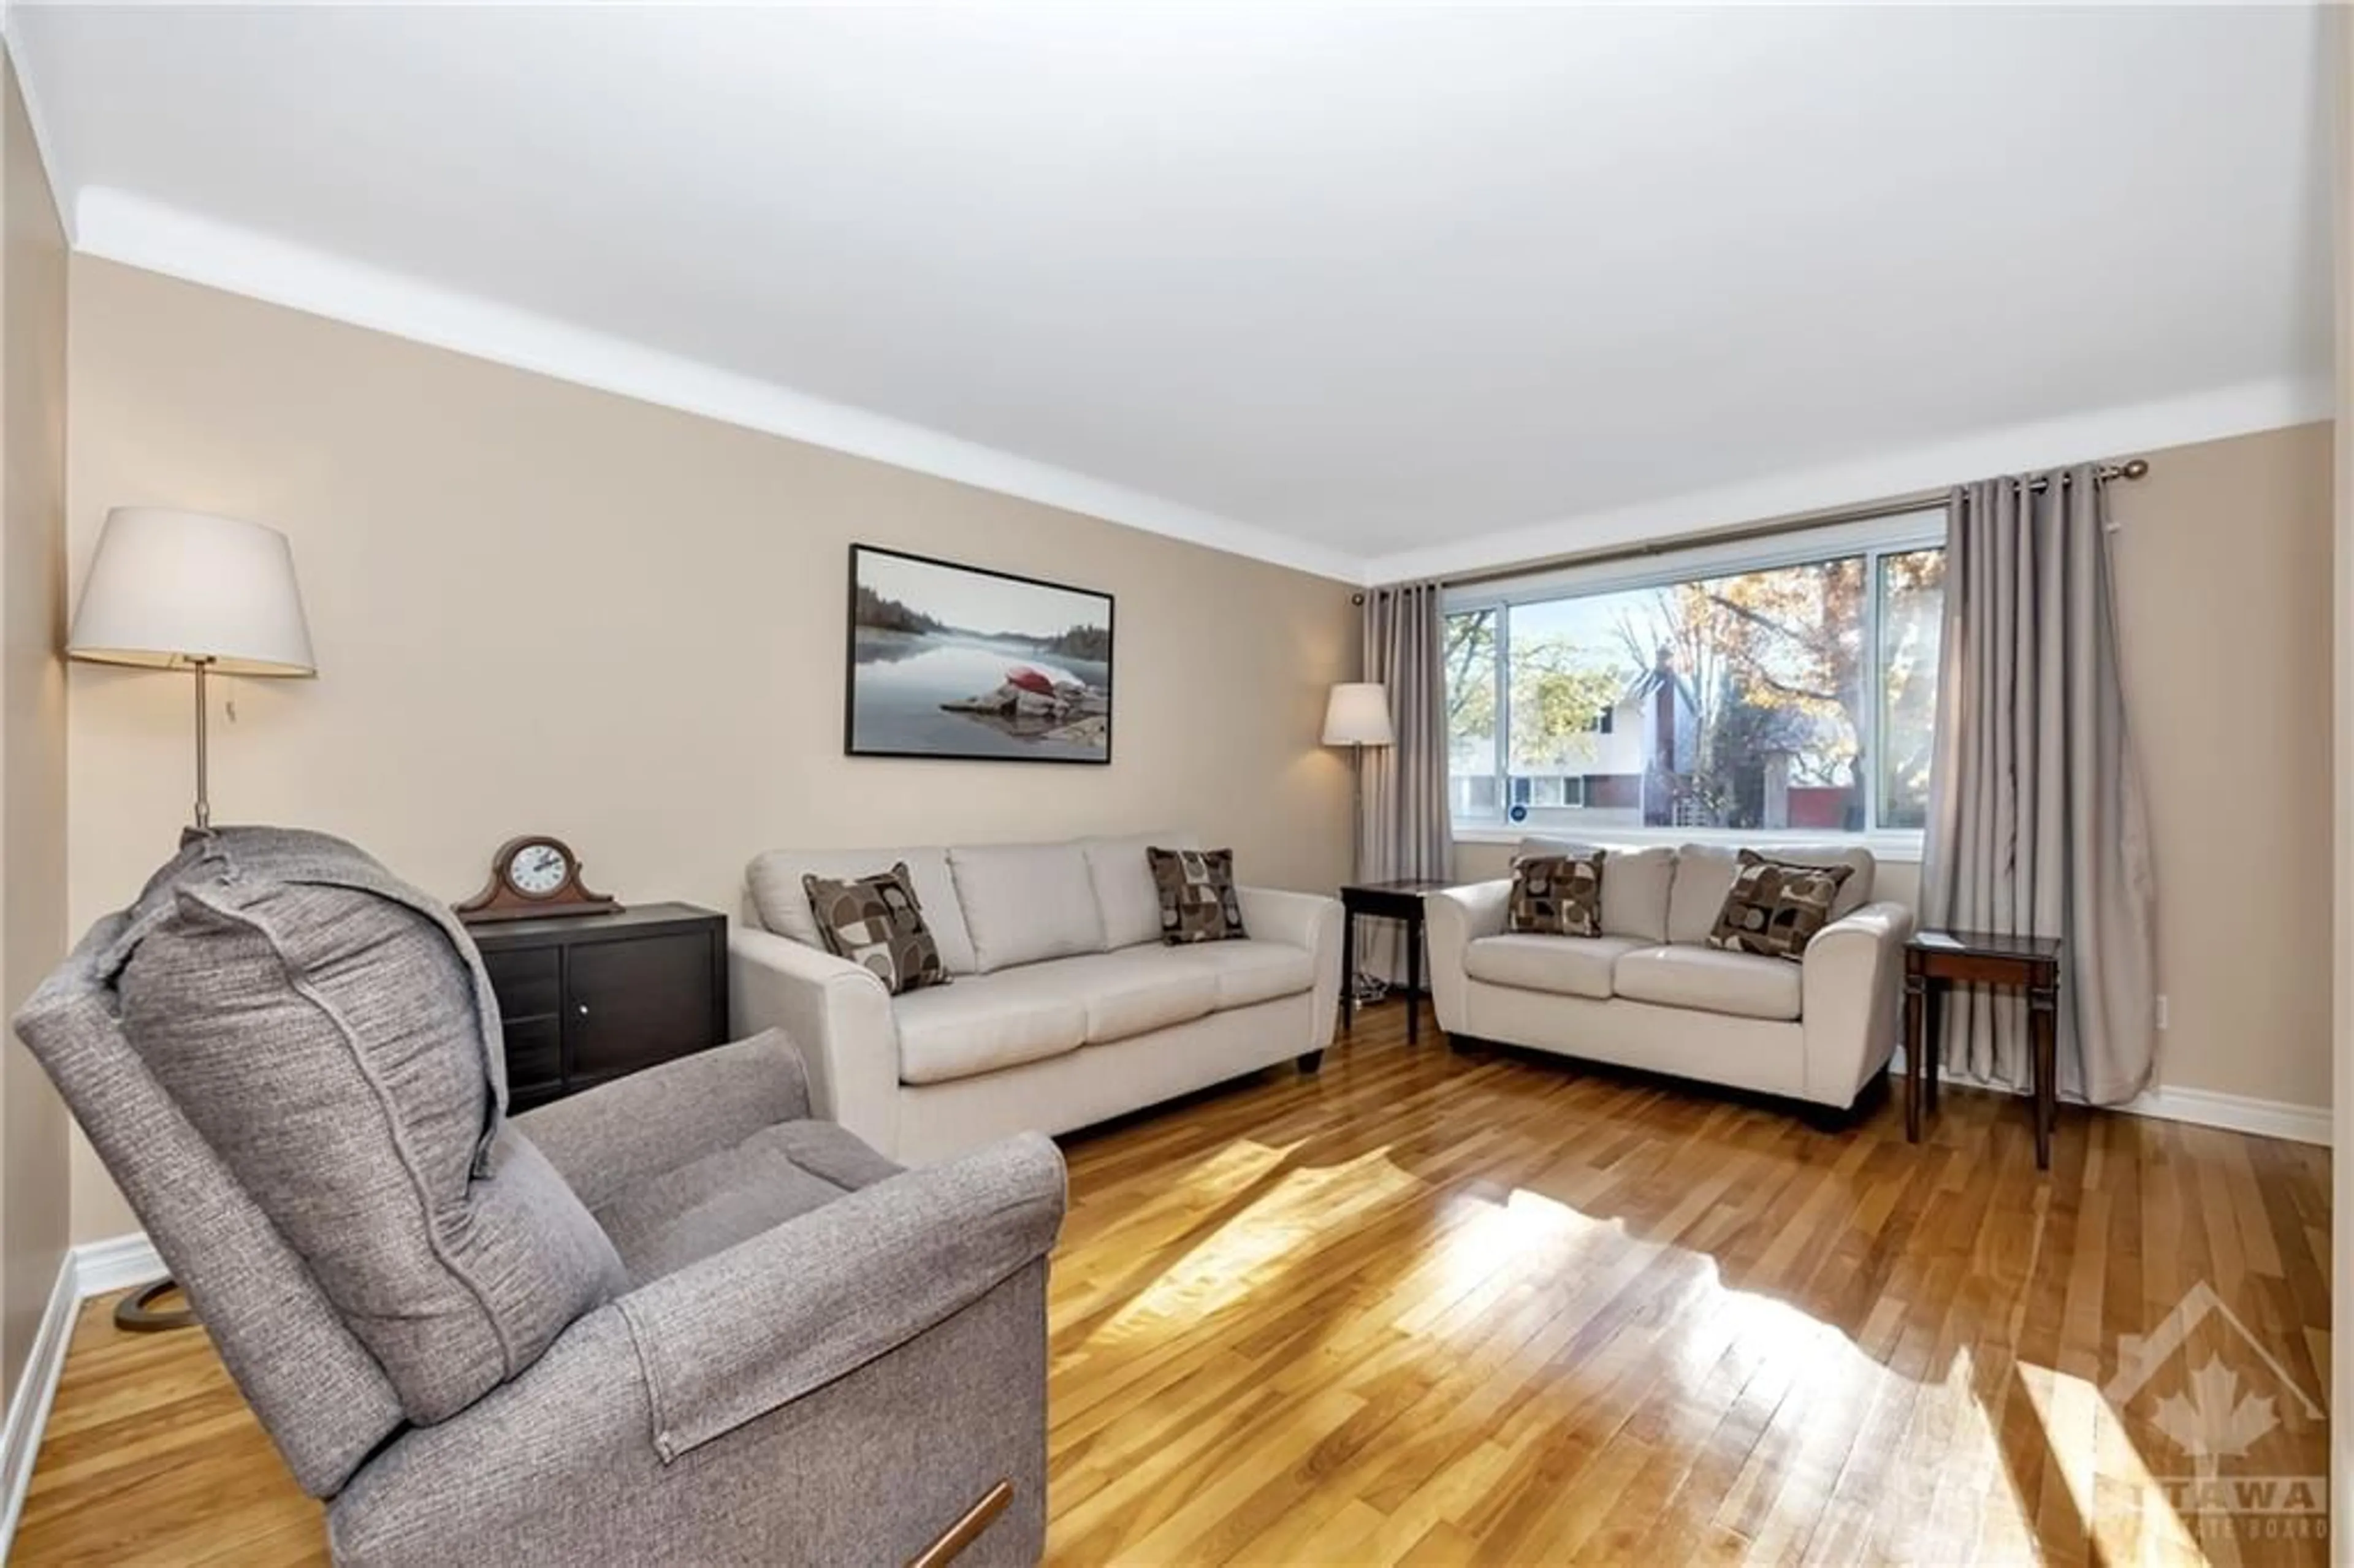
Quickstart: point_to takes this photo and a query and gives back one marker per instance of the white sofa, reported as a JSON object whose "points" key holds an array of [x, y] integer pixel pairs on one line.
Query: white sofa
{"points": [[1649, 992], [1065, 1007]]}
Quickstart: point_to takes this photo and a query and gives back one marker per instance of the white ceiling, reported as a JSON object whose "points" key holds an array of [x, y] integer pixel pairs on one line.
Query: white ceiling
{"points": [[1366, 290]]}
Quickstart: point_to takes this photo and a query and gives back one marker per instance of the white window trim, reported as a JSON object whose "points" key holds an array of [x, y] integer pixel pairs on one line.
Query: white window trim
{"points": [[1871, 538], [1897, 844]]}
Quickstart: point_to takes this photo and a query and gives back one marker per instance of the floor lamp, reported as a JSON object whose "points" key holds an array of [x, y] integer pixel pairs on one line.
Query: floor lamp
{"points": [[182, 590], [1357, 715]]}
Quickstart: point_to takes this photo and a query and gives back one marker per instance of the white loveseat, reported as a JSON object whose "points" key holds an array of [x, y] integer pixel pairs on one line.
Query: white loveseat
{"points": [[1650, 992], [1065, 1007]]}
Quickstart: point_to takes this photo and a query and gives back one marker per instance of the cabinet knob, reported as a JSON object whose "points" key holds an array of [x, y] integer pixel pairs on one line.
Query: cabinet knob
{"points": [[584, 1009]]}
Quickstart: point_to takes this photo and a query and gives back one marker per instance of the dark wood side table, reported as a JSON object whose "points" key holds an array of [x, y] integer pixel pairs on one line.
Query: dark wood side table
{"points": [[1399, 900], [1936, 960], [589, 998]]}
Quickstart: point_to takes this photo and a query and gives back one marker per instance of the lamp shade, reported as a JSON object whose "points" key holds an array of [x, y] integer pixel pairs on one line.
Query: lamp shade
{"points": [[1357, 715], [174, 588]]}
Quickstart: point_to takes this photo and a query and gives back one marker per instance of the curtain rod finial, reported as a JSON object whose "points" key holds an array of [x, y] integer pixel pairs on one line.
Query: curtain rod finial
{"points": [[2134, 468]]}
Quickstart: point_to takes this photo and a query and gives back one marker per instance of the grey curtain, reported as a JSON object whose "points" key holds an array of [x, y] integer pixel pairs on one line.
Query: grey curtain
{"points": [[1402, 827], [2036, 819]]}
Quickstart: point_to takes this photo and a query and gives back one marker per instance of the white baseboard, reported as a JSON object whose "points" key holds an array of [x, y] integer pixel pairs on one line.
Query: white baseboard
{"points": [[2203, 1108], [116, 1264], [2238, 1113], [29, 1407], [94, 1268]]}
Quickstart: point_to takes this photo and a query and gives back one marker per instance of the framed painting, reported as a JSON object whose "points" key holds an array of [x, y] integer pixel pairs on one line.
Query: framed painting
{"points": [[962, 662]]}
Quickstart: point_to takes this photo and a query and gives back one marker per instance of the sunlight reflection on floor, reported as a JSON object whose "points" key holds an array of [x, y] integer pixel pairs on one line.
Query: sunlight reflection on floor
{"points": [[2126, 1509], [1488, 1256], [1303, 1204]]}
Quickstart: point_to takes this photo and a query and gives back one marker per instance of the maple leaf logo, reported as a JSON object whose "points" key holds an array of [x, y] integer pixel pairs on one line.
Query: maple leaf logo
{"points": [[2216, 1420]]}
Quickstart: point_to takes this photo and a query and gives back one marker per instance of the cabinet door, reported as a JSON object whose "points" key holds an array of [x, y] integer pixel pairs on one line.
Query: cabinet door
{"points": [[631, 1005], [535, 1061], [530, 987]]}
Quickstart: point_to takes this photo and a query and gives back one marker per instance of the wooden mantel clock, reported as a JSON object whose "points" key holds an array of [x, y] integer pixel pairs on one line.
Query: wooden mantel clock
{"points": [[533, 878]]}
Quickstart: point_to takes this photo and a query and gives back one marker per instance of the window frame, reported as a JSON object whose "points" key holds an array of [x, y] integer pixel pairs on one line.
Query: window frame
{"points": [[1872, 539]]}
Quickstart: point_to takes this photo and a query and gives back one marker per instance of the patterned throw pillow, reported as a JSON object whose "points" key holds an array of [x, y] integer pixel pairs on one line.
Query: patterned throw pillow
{"points": [[1775, 908], [1558, 894], [1197, 895], [875, 921]]}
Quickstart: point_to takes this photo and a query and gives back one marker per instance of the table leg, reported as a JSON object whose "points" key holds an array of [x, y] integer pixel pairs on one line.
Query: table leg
{"points": [[1915, 1000], [2044, 1027], [1933, 1040], [1348, 969], [1413, 979]]}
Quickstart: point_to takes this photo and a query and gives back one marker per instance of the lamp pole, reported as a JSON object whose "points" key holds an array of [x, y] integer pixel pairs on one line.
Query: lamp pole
{"points": [[201, 664]]}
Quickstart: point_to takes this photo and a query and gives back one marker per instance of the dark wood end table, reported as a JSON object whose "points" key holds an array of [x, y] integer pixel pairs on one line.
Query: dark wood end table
{"points": [[585, 999], [1936, 960], [1399, 900]]}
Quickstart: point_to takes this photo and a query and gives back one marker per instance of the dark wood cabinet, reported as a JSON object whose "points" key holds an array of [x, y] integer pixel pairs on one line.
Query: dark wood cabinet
{"points": [[589, 998]]}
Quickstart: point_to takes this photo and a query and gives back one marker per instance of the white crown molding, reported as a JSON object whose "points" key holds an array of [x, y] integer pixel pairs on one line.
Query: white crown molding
{"points": [[60, 193], [120, 226], [2109, 432]]}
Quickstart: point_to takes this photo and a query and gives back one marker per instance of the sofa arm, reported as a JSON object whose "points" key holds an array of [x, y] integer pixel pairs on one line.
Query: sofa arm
{"points": [[1452, 919], [1851, 983], [747, 1330], [1272, 914], [609, 1138], [1309, 920], [837, 1013]]}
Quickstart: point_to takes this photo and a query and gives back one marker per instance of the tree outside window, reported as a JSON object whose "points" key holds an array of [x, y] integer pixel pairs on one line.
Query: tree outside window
{"points": [[1750, 700]]}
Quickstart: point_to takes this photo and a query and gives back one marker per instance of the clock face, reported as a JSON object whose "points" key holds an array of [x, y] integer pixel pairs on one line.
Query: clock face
{"points": [[537, 870]]}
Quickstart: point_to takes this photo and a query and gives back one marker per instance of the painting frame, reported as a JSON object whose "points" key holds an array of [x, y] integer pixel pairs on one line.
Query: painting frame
{"points": [[851, 743]]}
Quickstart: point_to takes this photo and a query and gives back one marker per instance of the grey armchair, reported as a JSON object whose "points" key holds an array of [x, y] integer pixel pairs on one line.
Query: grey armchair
{"points": [[671, 1319]]}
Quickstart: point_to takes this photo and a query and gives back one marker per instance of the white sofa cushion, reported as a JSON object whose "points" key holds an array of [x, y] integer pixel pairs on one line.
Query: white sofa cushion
{"points": [[1635, 883], [1125, 895], [983, 1023], [1249, 971], [1714, 1047], [1704, 875], [783, 905], [1711, 980], [1133, 991], [1023, 903], [1565, 966]]}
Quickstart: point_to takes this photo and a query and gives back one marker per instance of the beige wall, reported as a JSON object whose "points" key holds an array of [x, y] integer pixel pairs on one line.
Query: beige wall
{"points": [[33, 1125], [541, 607], [2223, 606], [2223, 568]]}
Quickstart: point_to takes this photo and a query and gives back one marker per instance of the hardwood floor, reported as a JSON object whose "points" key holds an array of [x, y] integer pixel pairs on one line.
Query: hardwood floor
{"points": [[1428, 1309]]}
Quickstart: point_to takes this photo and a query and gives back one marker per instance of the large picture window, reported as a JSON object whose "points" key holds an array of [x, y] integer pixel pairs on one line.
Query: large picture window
{"points": [[1787, 688]]}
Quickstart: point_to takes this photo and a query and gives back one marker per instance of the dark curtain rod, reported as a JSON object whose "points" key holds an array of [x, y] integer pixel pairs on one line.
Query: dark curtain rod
{"points": [[1796, 521]]}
